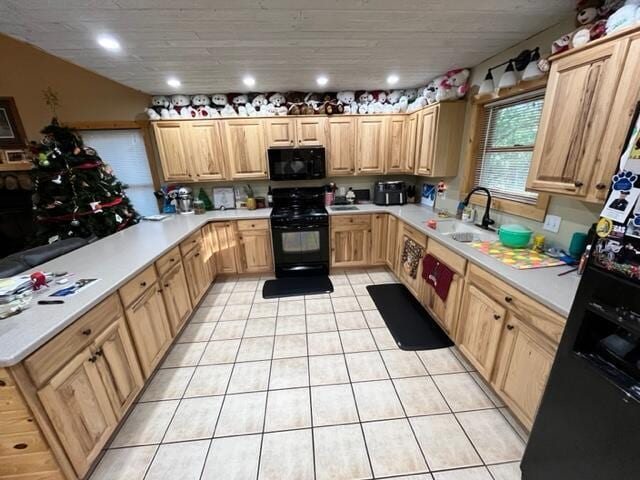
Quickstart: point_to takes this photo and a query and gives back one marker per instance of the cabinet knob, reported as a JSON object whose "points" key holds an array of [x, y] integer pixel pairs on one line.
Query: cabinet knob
{"points": [[508, 299], [172, 259], [86, 332], [143, 284], [578, 183], [93, 359], [166, 285], [99, 352], [197, 255], [601, 186], [496, 316], [509, 327], [3, 383]]}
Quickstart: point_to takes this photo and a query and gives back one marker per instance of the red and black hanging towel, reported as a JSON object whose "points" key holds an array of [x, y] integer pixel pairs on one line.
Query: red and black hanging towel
{"points": [[438, 275]]}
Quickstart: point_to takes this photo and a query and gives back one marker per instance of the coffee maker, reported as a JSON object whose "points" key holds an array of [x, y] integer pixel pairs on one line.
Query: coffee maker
{"points": [[185, 201]]}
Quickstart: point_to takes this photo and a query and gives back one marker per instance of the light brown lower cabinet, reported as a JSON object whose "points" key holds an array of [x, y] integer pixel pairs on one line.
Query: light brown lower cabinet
{"points": [[414, 284], [225, 255], [255, 251], [379, 229], [445, 312], [175, 293], [350, 241], [78, 405], [522, 368], [479, 331], [198, 276], [147, 319], [391, 255]]}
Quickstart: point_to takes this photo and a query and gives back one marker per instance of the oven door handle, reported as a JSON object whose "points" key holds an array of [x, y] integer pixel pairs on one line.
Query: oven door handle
{"points": [[298, 227]]}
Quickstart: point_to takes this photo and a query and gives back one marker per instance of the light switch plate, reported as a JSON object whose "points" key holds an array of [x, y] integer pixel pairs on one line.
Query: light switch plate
{"points": [[552, 223]]}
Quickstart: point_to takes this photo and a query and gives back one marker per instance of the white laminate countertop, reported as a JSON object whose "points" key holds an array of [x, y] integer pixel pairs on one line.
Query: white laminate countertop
{"points": [[119, 257]]}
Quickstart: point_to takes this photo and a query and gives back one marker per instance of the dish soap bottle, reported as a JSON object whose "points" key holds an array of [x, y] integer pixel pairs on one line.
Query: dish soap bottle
{"points": [[351, 196], [270, 197], [469, 214]]}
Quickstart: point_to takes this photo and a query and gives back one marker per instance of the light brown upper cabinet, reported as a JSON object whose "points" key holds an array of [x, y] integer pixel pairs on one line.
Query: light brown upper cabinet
{"points": [[396, 145], [340, 134], [171, 139], [410, 142], [438, 139], [310, 131], [206, 153], [371, 144], [577, 105], [246, 149], [281, 131]]}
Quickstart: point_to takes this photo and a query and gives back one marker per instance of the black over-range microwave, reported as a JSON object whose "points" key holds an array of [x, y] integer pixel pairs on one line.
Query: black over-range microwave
{"points": [[287, 163]]}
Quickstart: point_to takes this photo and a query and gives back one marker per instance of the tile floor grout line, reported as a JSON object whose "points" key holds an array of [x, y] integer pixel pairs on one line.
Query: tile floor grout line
{"points": [[355, 402], [313, 444]]}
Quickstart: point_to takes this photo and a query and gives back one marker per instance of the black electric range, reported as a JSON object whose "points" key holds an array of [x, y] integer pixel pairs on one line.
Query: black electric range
{"points": [[300, 232]]}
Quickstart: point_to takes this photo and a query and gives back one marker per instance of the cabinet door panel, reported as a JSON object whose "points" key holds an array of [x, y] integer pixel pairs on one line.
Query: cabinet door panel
{"points": [[310, 131], [392, 239], [175, 293], [428, 129], [79, 409], [226, 244], [577, 105], [371, 147], [350, 246], [479, 329], [147, 319], [197, 274], [246, 150], [118, 366], [171, 140], [523, 369], [256, 250], [340, 145], [281, 132], [379, 227], [396, 159], [409, 142], [444, 312], [205, 150]]}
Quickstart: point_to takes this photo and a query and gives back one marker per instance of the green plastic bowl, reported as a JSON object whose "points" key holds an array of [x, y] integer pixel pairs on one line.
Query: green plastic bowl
{"points": [[514, 236]]}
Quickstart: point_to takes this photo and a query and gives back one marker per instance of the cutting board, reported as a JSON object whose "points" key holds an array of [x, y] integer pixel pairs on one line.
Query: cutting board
{"points": [[520, 258]]}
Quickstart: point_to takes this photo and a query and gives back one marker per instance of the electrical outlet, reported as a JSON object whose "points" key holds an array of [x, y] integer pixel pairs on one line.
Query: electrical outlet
{"points": [[552, 223]]}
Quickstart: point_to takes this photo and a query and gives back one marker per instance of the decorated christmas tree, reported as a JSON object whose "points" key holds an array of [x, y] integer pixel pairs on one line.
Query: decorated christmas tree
{"points": [[75, 192]]}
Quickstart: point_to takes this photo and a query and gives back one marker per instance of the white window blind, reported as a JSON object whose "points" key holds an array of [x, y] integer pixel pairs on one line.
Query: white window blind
{"points": [[508, 134], [124, 151]]}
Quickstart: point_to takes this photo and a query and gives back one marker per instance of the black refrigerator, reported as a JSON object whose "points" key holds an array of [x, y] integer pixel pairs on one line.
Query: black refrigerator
{"points": [[588, 423]]}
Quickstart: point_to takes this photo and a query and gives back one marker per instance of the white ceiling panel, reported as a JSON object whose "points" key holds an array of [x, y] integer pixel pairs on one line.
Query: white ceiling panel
{"points": [[211, 44]]}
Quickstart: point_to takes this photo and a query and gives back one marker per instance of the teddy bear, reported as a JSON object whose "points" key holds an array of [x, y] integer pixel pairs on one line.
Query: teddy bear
{"points": [[394, 96], [419, 102], [200, 107], [180, 107], [347, 98], [259, 101], [279, 101], [379, 99], [561, 44], [159, 108], [454, 85], [402, 105], [228, 111], [239, 102], [219, 101], [411, 94]]}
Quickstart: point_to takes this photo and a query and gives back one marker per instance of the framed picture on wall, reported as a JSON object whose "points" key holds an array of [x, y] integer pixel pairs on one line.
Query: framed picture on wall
{"points": [[11, 131], [16, 156]]}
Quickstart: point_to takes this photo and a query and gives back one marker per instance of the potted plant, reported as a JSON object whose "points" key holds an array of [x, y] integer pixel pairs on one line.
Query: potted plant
{"points": [[251, 199]]}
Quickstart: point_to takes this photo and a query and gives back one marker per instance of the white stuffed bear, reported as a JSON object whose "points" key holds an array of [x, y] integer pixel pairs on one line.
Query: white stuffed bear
{"points": [[201, 108], [180, 107], [259, 102], [269, 110], [411, 94], [219, 101], [228, 111], [159, 108], [251, 111], [430, 92], [279, 102], [348, 100], [402, 105], [454, 85], [419, 102], [394, 96]]}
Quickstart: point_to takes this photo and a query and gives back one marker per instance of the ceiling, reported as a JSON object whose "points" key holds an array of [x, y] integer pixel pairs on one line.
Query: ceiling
{"points": [[285, 44]]}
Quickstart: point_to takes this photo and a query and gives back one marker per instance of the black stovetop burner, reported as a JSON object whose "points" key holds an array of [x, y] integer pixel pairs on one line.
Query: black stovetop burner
{"points": [[299, 204]]}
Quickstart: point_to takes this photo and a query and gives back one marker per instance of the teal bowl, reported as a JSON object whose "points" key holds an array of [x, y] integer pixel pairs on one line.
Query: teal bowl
{"points": [[514, 236]]}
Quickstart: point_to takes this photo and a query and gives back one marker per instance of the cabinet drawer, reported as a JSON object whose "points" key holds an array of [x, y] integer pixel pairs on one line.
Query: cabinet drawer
{"points": [[167, 261], [415, 235], [446, 256], [342, 220], [528, 310], [52, 356], [187, 245], [244, 225], [136, 287]]}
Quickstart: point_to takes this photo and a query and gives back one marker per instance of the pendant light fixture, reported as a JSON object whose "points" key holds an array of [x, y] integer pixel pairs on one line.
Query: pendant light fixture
{"points": [[508, 78], [533, 72], [487, 86]]}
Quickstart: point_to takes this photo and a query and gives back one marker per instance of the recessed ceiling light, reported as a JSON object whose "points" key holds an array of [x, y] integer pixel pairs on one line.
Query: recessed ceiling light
{"points": [[249, 81], [174, 82], [322, 80], [109, 43], [392, 79]]}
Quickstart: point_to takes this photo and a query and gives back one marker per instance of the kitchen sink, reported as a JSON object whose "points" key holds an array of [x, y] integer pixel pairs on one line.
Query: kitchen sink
{"points": [[464, 232], [344, 208]]}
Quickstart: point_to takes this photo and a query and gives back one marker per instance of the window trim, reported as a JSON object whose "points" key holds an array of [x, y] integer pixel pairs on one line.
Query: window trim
{"points": [[535, 211]]}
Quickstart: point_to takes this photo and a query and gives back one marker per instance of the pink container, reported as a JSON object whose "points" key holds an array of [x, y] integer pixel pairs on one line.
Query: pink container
{"points": [[328, 199]]}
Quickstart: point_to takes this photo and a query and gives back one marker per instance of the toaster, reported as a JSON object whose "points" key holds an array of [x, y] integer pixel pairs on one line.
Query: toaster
{"points": [[390, 193]]}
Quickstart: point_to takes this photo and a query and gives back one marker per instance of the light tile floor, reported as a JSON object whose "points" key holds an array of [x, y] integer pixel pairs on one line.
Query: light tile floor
{"points": [[310, 388]]}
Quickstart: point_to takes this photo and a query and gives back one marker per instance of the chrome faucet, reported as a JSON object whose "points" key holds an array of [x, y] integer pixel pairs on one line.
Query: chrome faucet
{"points": [[486, 220]]}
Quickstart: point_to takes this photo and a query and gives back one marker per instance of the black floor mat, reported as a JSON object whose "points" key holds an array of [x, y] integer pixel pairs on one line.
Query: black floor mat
{"points": [[292, 286], [410, 324]]}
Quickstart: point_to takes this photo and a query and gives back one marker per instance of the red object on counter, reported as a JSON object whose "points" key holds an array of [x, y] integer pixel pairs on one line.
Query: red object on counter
{"points": [[432, 224], [438, 275], [38, 280]]}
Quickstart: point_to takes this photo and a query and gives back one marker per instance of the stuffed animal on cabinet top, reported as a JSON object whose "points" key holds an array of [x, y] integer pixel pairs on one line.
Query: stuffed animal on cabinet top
{"points": [[159, 108], [180, 107], [347, 98], [279, 103], [201, 107]]}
